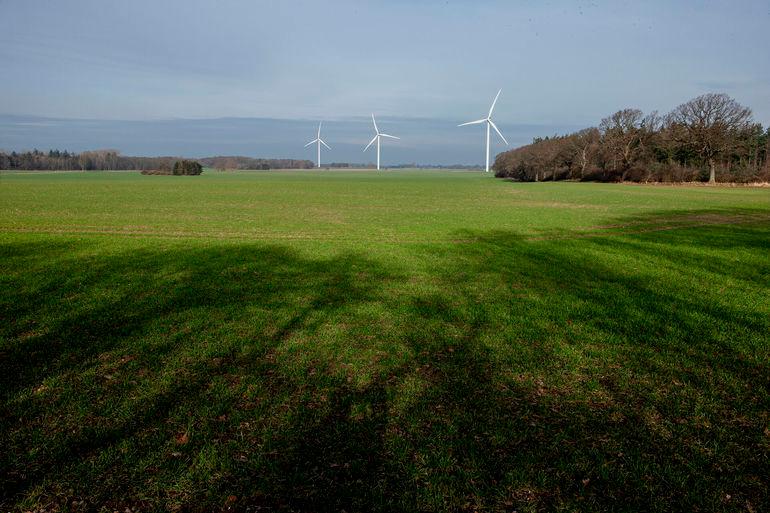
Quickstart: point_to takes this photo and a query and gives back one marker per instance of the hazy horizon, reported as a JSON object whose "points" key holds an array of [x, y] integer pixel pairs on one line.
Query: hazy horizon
{"points": [[423, 141]]}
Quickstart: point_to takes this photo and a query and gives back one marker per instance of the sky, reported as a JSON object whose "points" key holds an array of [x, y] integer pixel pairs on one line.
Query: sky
{"points": [[194, 77]]}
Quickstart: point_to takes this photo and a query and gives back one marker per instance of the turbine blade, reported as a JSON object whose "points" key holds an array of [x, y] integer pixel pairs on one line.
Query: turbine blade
{"points": [[375, 125], [319, 129], [493, 103], [324, 144], [498, 131], [371, 142], [474, 122], [311, 142], [390, 136]]}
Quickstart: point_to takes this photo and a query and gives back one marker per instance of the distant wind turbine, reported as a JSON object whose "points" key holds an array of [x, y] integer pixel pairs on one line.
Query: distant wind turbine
{"points": [[489, 122], [318, 141], [377, 137]]}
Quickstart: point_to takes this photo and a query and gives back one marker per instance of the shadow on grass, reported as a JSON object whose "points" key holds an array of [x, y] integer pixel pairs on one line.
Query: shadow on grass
{"points": [[617, 373]]}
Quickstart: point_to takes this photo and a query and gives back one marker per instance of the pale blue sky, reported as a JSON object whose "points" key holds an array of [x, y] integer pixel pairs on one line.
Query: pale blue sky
{"points": [[560, 64]]}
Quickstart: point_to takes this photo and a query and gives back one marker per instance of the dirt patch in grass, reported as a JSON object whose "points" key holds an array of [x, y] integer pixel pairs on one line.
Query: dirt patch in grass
{"points": [[663, 224], [698, 219]]}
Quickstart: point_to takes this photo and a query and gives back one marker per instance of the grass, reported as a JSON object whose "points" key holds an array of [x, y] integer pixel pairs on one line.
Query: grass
{"points": [[395, 341]]}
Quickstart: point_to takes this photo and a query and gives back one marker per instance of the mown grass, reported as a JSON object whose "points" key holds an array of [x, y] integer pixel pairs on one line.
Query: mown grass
{"points": [[402, 341]]}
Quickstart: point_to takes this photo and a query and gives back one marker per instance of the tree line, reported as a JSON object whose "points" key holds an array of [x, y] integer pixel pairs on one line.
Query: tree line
{"points": [[711, 137], [236, 162], [111, 160]]}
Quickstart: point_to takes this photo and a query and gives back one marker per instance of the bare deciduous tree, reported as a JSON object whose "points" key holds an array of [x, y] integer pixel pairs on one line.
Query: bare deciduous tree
{"points": [[585, 144], [767, 152], [709, 125], [621, 132]]}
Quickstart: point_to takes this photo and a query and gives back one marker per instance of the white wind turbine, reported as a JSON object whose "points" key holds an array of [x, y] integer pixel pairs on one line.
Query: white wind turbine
{"points": [[489, 122], [318, 142], [377, 137]]}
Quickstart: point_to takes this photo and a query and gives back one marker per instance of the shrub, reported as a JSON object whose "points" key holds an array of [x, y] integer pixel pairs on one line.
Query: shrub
{"points": [[187, 167]]}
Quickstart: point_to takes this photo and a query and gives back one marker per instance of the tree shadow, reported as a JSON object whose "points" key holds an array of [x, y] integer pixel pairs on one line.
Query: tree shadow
{"points": [[640, 373], [610, 373], [83, 330]]}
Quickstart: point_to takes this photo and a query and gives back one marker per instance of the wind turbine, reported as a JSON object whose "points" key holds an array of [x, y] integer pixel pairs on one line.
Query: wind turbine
{"points": [[377, 137], [489, 122], [318, 142]]}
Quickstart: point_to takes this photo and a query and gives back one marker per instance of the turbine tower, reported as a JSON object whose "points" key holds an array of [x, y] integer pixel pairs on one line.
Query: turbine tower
{"points": [[318, 142], [490, 123], [378, 135]]}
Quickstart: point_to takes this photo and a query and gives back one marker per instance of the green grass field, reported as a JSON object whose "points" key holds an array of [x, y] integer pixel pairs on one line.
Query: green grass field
{"points": [[394, 341]]}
